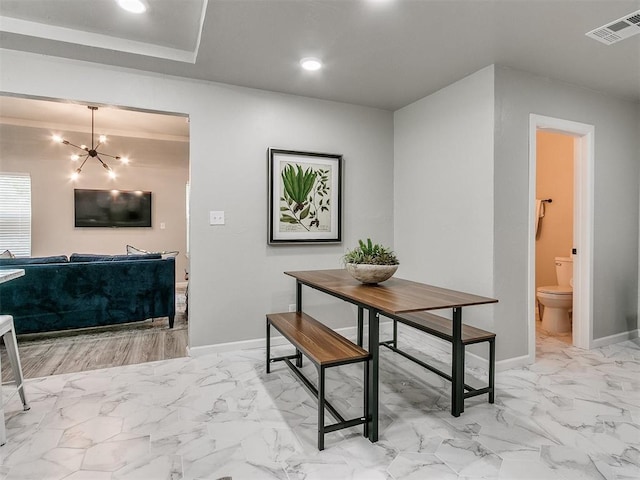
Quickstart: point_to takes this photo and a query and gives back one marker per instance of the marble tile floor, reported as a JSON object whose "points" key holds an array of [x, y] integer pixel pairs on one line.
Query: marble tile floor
{"points": [[573, 415]]}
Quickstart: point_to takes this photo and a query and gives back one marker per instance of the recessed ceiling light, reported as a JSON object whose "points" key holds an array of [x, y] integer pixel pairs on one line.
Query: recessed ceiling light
{"points": [[133, 6], [311, 64]]}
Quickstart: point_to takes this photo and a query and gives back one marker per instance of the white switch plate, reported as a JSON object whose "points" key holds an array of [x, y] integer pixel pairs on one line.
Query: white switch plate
{"points": [[216, 217], [162, 225]]}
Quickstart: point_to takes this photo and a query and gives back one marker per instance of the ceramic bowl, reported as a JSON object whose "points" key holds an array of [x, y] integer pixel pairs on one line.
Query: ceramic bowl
{"points": [[371, 273]]}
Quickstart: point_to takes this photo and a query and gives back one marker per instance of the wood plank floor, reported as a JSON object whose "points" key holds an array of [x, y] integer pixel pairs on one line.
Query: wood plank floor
{"points": [[91, 349]]}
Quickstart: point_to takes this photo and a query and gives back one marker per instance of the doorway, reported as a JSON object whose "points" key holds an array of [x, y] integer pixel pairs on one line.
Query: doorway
{"points": [[582, 253], [158, 144], [554, 235]]}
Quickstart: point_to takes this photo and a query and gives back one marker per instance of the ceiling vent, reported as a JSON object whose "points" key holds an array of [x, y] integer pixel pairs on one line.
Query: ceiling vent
{"points": [[618, 30]]}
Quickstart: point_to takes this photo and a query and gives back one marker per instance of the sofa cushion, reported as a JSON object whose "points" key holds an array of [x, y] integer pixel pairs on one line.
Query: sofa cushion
{"points": [[90, 257], [33, 260], [131, 250]]}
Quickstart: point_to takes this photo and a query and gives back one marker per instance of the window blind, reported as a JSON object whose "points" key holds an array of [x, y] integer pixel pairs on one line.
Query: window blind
{"points": [[15, 213]]}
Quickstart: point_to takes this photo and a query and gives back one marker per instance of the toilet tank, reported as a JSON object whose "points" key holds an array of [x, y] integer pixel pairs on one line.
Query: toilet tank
{"points": [[564, 271]]}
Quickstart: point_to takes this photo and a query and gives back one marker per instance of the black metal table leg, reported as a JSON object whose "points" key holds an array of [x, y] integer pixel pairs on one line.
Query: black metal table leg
{"points": [[457, 365], [360, 325], [299, 310], [492, 370], [366, 397], [374, 350], [268, 348], [395, 333]]}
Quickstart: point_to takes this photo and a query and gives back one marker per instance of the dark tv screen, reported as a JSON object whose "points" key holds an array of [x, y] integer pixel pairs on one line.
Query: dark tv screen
{"points": [[112, 208]]}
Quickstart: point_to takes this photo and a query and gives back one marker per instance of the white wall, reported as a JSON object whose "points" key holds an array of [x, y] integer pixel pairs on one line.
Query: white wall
{"points": [[159, 166], [235, 278], [443, 200], [617, 133]]}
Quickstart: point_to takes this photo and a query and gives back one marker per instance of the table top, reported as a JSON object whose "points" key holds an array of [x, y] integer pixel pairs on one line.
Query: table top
{"points": [[392, 296], [6, 275]]}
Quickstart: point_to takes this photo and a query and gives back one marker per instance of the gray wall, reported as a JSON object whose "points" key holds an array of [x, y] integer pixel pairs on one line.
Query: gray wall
{"points": [[464, 230], [443, 195], [235, 278], [617, 166]]}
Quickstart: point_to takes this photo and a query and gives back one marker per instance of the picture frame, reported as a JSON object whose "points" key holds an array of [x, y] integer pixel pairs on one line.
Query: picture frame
{"points": [[305, 197]]}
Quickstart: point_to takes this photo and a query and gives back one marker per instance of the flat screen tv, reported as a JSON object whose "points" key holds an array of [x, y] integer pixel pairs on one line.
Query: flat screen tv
{"points": [[112, 208]]}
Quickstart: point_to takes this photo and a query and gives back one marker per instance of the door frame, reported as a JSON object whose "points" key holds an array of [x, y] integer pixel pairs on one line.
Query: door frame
{"points": [[583, 135]]}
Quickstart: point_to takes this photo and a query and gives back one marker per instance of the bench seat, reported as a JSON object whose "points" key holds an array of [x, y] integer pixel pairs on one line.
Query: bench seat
{"points": [[443, 328], [320, 344], [324, 348]]}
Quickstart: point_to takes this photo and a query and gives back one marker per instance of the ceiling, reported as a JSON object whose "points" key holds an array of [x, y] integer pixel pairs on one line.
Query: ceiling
{"points": [[60, 117], [379, 53]]}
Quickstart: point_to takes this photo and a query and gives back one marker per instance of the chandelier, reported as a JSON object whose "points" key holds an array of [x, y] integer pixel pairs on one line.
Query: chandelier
{"points": [[91, 152]]}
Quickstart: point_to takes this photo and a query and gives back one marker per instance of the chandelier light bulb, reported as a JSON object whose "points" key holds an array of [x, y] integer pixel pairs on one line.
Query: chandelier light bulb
{"points": [[124, 160], [112, 174], [94, 151], [75, 175]]}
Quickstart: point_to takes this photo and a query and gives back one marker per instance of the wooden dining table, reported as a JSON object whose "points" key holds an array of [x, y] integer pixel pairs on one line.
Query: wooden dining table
{"points": [[394, 296]]}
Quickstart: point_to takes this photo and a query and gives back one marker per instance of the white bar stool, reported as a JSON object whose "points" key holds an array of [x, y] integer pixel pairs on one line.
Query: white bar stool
{"points": [[8, 333]]}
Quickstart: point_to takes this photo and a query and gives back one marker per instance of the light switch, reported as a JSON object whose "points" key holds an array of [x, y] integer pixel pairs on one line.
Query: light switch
{"points": [[216, 217], [162, 226]]}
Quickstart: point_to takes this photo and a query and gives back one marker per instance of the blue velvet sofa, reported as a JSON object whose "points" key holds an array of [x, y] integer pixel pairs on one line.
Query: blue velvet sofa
{"points": [[57, 293]]}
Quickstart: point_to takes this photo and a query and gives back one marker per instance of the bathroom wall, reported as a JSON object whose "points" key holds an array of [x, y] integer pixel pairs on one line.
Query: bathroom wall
{"points": [[554, 180]]}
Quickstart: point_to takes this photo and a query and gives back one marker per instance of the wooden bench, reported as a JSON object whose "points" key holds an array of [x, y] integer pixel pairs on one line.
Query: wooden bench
{"points": [[443, 328], [324, 348]]}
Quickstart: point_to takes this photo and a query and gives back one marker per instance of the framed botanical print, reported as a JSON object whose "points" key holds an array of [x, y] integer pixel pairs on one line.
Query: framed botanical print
{"points": [[305, 197]]}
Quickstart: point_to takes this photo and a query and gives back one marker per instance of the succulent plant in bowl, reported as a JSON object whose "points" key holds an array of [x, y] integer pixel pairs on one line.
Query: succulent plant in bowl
{"points": [[370, 263]]}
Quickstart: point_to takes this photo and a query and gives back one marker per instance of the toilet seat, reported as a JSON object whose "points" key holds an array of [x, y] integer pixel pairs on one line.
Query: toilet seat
{"points": [[556, 290]]}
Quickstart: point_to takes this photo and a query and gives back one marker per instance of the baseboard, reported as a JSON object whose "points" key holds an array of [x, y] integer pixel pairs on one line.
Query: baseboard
{"points": [[617, 338], [513, 363], [471, 359], [276, 340]]}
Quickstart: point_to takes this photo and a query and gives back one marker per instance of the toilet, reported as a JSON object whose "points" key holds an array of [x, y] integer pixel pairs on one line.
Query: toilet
{"points": [[557, 300]]}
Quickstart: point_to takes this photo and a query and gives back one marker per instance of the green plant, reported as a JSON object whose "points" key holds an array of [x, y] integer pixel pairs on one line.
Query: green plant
{"points": [[305, 195], [370, 253]]}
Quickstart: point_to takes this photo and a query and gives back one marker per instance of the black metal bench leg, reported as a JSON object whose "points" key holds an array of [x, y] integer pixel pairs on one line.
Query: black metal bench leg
{"points": [[492, 370], [298, 358], [268, 348], [320, 408]]}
